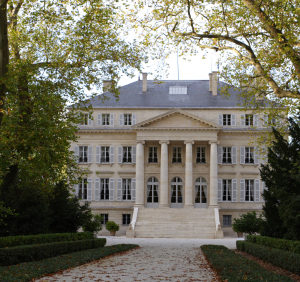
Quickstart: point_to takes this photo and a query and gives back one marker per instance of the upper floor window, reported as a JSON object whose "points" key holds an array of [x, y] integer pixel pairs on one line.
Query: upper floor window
{"points": [[249, 190], [178, 90], [249, 155], [152, 154], [227, 189], [226, 155], [127, 154], [176, 158], [127, 119], [200, 155], [105, 119], [249, 120], [83, 154], [86, 119], [105, 154], [227, 120], [83, 189], [226, 158]]}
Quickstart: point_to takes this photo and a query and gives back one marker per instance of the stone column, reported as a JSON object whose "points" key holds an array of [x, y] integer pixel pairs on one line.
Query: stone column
{"points": [[213, 180], [140, 182], [188, 191], [164, 175]]}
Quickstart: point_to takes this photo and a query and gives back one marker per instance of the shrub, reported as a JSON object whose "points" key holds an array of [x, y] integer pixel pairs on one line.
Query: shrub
{"points": [[94, 224], [287, 260], [247, 223], [288, 245], [11, 241], [14, 255], [234, 267], [28, 271], [112, 226]]}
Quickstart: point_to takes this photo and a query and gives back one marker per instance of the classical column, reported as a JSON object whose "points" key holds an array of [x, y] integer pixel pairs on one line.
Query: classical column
{"points": [[213, 180], [140, 183], [188, 191], [164, 175]]}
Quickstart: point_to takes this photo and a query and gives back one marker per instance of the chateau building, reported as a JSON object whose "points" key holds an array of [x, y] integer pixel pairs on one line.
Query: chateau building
{"points": [[171, 158]]}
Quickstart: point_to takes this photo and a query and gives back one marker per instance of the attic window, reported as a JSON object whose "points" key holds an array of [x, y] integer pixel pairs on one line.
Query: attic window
{"points": [[178, 90]]}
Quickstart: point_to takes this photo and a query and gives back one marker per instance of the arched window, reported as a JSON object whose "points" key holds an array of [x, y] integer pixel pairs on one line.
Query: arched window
{"points": [[152, 190], [176, 190], [200, 191]]}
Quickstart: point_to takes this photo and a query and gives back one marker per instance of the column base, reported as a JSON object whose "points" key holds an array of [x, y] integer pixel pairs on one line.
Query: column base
{"points": [[164, 205], [189, 206]]}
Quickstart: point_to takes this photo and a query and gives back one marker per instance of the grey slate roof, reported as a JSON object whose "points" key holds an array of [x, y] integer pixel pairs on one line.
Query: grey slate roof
{"points": [[157, 96]]}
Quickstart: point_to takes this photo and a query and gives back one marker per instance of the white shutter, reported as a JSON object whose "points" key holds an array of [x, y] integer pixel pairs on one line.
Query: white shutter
{"points": [[112, 118], [133, 184], [255, 120], [89, 120], [242, 155], [256, 156], [77, 153], [89, 189], [233, 154], [233, 121], [119, 189], [133, 119], [242, 190], [90, 154], [233, 190], [219, 190], [111, 154], [263, 188], [120, 154], [97, 189], [98, 154], [133, 150], [99, 119], [256, 190], [243, 120], [111, 189], [220, 154], [121, 119], [221, 120], [76, 188]]}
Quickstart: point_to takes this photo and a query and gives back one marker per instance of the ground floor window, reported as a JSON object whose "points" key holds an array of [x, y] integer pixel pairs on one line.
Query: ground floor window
{"points": [[200, 191], [176, 190], [104, 218], [104, 189], [126, 189], [152, 190], [227, 220], [126, 218]]}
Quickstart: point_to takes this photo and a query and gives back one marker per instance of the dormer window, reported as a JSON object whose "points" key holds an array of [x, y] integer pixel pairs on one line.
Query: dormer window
{"points": [[178, 90]]}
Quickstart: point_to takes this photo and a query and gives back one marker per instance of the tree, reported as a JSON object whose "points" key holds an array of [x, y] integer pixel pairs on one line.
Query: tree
{"points": [[248, 223], [257, 40], [282, 178]]}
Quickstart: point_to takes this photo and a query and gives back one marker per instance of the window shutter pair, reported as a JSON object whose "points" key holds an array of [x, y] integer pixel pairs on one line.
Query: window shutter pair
{"points": [[111, 189], [120, 154], [111, 119], [220, 154], [120, 190], [256, 190], [111, 155], [121, 120], [220, 190]]}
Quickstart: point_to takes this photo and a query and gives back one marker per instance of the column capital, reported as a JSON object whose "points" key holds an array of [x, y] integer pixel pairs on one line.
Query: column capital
{"points": [[164, 142], [214, 142], [189, 142], [140, 142]]}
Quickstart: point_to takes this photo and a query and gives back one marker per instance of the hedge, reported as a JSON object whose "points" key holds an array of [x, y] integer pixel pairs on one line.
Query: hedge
{"points": [[28, 271], [288, 245], [11, 241], [284, 259], [18, 254], [234, 267]]}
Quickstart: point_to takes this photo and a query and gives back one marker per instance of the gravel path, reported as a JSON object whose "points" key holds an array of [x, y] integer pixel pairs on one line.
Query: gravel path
{"points": [[156, 260]]}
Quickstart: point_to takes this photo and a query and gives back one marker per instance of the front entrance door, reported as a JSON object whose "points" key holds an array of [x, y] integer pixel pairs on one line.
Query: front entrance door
{"points": [[176, 193]]}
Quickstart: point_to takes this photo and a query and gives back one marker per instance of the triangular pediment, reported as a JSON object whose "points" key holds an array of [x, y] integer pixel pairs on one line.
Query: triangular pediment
{"points": [[176, 119]]}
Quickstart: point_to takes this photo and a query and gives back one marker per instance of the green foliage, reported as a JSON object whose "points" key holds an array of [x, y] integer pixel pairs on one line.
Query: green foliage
{"points": [[111, 226], [287, 245], [18, 254], [30, 270], [248, 223], [282, 178], [94, 224], [4, 214], [12, 241], [287, 260], [234, 267]]}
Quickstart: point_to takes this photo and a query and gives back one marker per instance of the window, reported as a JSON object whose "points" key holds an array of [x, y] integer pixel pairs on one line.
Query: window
{"points": [[105, 154], [127, 119], [83, 154], [200, 191], [249, 120], [249, 155], [104, 218], [104, 189], [249, 190], [176, 155], [226, 158], [200, 155], [178, 90], [152, 155], [105, 119], [227, 120], [126, 218], [227, 220], [127, 154], [152, 190], [126, 189], [85, 119], [82, 189], [176, 190], [227, 189]]}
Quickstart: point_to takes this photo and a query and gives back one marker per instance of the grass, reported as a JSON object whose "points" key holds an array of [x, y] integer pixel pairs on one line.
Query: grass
{"points": [[36, 269]]}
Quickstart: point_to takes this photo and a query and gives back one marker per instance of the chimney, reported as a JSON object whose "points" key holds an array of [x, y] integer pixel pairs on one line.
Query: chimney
{"points": [[106, 85], [144, 82], [213, 83]]}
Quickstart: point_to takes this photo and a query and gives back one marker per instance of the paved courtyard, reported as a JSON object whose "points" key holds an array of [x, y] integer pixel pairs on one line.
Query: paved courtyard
{"points": [[156, 260]]}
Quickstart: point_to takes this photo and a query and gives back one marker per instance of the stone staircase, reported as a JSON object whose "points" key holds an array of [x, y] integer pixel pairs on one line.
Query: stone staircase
{"points": [[176, 223]]}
